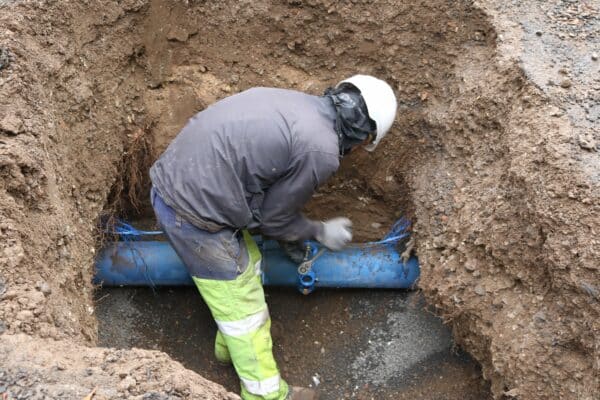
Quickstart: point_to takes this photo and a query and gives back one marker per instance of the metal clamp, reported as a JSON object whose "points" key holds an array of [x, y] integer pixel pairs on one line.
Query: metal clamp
{"points": [[306, 276]]}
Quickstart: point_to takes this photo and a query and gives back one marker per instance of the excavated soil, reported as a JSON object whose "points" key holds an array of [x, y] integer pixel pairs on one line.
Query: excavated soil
{"points": [[494, 156]]}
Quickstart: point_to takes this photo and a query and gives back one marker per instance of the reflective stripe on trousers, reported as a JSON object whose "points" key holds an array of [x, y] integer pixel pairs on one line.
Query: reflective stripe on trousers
{"points": [[264, 387], [240, 311], [243, 326]]}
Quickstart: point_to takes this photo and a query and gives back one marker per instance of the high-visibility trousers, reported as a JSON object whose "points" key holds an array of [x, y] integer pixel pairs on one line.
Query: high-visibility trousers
{"points": [[240, 311], [225, 267]]}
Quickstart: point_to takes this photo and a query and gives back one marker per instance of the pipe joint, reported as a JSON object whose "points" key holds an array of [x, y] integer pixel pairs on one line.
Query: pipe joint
{"points": [[306, 282]]}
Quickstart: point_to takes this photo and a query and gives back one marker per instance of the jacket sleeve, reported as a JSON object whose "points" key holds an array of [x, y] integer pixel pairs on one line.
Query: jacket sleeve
{"points": [[283, 202]]}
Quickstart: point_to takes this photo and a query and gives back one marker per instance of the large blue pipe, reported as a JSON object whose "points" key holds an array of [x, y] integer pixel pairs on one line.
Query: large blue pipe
{"points": [[144, 263]]}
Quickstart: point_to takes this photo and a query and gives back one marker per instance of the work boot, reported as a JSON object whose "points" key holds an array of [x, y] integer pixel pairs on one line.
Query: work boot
{"points": [[301, 393]]}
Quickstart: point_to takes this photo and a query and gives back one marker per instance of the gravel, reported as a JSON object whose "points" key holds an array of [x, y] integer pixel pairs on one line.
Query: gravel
{"points": [[410, 337]]}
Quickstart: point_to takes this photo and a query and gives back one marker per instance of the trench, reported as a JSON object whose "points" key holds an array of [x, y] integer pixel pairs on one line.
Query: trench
{"points": [[491, 159], [348, 343], [351, 343]]}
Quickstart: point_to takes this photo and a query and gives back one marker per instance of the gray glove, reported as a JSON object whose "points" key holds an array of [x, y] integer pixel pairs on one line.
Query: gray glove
{"points": [[337, 232], [294, 250]]}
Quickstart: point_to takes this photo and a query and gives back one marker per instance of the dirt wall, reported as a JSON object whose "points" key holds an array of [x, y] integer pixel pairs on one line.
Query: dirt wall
{"points": [[497, 171], [507, 217], [67, 107], [504, 228], [70, 95]]}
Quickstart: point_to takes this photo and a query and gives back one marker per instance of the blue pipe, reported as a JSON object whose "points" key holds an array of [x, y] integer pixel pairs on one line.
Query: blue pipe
{"points": [[151, 263]]}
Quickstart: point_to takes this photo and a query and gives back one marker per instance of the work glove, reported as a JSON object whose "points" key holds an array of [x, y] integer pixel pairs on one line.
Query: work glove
{"points": [[294, 250], [336, 233]]}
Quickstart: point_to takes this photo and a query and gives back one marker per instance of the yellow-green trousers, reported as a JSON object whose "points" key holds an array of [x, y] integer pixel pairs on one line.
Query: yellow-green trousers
{"points": [[240, 311]]}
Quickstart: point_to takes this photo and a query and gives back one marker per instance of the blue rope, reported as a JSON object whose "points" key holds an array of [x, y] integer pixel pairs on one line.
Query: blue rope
{"points": [[130, 234], [399, 231]]}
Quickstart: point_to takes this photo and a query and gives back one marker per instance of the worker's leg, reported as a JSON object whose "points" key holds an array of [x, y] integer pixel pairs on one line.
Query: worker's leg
{"points": [[224, 267], [221, 350], [241, 313]]}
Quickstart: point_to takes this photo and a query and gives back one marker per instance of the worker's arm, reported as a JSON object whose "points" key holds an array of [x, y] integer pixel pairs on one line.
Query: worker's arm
{"points": [[283, 202]]}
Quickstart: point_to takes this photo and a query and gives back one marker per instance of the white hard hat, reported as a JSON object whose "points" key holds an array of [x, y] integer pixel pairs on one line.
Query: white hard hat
{"points": [[381, 103]]}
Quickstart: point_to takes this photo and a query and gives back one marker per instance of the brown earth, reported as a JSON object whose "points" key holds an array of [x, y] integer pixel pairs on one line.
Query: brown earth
{"points": [[494, 155], [36, 368]]}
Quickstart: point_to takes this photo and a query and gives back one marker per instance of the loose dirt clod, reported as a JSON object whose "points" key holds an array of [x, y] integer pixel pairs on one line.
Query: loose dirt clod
{"points": [[486, 158]]}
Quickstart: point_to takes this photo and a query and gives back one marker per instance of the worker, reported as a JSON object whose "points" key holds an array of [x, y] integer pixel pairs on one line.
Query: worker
{"points": [[251, 161]]}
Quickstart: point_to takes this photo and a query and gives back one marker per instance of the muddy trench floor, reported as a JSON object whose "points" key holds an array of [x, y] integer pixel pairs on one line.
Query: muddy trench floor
{"points": [[355, 344]]}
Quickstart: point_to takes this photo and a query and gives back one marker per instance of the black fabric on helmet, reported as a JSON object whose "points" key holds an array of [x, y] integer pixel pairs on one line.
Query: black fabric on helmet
{"points": [[353, 124]]}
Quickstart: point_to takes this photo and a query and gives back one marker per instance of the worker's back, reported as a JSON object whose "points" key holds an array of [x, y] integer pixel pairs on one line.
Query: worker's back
{"points": [[221, 165]]}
